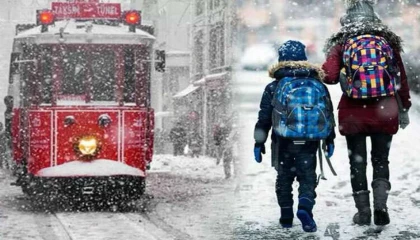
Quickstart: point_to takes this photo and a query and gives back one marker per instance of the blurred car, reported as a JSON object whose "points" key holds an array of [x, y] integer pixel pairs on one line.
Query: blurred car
{"points": [[258, 57]]}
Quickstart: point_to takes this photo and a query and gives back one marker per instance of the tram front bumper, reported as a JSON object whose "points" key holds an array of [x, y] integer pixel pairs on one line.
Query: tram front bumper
{"points": [[111, 187]]}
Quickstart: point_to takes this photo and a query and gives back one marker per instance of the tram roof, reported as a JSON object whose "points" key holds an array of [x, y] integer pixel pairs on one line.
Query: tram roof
{"points": [[78, 32]]}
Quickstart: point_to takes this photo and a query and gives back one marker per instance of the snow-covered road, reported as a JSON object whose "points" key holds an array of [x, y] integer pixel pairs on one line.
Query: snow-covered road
{"points": [[20, 220], [175, 186]]}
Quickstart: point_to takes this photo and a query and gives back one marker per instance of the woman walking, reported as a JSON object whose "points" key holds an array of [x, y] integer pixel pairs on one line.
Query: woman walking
{"points": [[365, 57]]}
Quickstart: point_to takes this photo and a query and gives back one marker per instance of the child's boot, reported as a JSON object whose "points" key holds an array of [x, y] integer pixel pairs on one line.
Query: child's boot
{"points": [[286, 217], [305, 215], [380, 188]]}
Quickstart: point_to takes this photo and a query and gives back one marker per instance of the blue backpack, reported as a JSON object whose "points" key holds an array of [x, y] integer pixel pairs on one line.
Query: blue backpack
{"points": [[302, 109]]}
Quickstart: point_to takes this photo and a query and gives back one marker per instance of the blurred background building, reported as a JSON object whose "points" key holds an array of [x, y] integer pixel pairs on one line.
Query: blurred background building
{"points": [[275, 21], [197, 36], [171, 21], [213, 36], [265, 24], [312, 21]]}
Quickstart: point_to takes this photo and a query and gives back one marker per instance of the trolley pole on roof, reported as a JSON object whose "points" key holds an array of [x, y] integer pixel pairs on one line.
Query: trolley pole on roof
{"points": [[137, 4], [9, 9]]}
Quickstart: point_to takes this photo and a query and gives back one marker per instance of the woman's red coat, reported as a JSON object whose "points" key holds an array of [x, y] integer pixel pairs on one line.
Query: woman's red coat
{"points": [[366, 116]]}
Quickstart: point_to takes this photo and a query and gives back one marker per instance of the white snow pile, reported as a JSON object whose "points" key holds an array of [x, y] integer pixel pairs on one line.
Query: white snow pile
{"points": [[203, 167], [99, 167]]}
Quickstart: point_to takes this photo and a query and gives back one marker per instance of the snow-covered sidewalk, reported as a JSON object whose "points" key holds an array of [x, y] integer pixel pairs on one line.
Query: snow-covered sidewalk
{"points": [[258, 212], [202, 167]]}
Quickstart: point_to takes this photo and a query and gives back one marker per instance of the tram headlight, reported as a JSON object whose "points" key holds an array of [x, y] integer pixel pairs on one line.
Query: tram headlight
{"points": [[88, 146]]}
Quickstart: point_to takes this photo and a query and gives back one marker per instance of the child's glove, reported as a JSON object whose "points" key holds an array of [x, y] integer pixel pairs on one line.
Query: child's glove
{"points": [[330, 150], [404, 119], [259, 149]]}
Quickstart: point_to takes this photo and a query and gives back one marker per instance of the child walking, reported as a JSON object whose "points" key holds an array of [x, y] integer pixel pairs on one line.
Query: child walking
{"points": [[298, 109]]}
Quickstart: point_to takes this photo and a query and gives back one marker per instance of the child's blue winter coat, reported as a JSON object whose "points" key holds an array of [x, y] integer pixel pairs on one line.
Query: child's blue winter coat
{"points": [[264, 124]]}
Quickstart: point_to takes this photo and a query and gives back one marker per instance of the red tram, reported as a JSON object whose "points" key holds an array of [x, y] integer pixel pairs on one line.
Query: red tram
{"points": [[79, 92]]}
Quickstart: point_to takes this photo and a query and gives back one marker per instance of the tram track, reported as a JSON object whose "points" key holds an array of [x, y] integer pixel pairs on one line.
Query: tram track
{"points": [[158, 222], [107, 225], [68, 233], [101, 225], [52, 222], [97, 225]]}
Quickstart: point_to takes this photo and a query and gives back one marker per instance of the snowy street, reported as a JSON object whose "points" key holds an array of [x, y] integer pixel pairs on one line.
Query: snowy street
{"points": [[134, 119], [171, 188], [188, 198]]}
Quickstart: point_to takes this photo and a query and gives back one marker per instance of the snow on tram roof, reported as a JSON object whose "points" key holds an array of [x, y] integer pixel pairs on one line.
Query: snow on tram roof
{"points": [[78, 31]]}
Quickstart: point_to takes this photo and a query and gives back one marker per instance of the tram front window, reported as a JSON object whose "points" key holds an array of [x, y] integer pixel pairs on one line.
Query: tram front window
{"points": [[75, 74], [103, 77], [89, 75]]}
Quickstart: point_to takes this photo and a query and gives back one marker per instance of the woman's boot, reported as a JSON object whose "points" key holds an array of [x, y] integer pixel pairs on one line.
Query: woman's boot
{"points": [[380, 188], [364, 214]]}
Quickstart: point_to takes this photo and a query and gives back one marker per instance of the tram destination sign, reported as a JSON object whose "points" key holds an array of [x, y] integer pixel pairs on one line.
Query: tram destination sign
{"points": [[86, 10]]}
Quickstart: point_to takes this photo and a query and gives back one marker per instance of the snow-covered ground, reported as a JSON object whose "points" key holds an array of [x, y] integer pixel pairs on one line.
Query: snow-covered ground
{"points": [[202, 167], [174, 183]]}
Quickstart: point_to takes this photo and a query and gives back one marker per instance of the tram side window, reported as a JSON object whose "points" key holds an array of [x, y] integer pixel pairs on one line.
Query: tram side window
{"points": [[46, 82], [129, 75], [75, 73], [28, 77], [103, 80]]}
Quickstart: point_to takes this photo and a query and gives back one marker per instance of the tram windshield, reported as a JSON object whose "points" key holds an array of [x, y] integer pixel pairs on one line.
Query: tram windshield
{"points": [[85, 75], [74, 75], [88, 76]]}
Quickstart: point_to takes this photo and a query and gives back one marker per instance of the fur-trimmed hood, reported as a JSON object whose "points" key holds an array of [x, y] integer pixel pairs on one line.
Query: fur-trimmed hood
{"points": [[295, 68], [361, 28]]}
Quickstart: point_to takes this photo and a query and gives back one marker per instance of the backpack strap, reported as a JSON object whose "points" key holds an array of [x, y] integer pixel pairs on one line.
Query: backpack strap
{"points": [[321, 167], [347, 49], [322, 148]]}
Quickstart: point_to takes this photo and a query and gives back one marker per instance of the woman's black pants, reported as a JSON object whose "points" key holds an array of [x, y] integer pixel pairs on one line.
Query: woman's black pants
{"points": [[356, 144]]}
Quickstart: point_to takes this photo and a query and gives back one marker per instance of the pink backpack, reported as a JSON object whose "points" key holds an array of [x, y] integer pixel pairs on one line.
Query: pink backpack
{"points": [[369, 68]]}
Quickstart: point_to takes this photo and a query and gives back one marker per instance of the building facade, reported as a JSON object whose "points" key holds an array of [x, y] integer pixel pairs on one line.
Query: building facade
{"points": [[171, 23], [312, 22], [208, 97], [197, 36]]}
